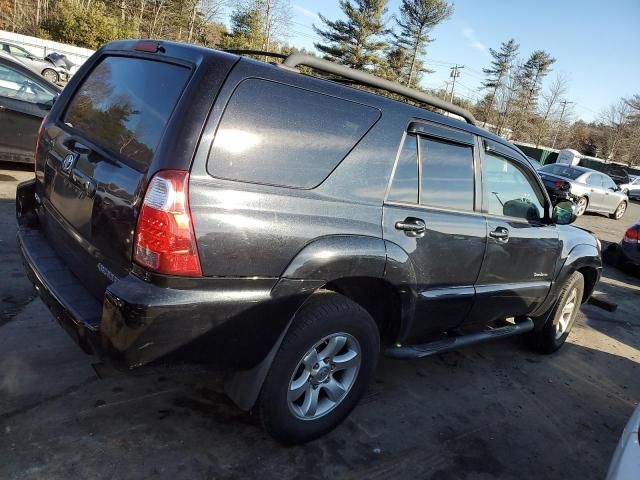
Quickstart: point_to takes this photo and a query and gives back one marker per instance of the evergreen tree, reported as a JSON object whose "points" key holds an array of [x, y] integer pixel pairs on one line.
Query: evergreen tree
{"points": [[529, 82], [357, 42], [416, 20], [497, 74]]}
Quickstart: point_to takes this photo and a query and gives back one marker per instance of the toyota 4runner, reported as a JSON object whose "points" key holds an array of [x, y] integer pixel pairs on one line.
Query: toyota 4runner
{"points": [[191, 203]]}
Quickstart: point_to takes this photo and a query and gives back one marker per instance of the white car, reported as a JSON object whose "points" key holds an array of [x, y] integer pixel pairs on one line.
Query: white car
{"points": [[632, 188], [625, 464]]}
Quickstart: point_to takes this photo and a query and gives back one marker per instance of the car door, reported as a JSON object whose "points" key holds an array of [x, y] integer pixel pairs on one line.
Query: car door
{"points": [[431, 212], [24, 102], [611, 198], [596, 192], [522, 245]]}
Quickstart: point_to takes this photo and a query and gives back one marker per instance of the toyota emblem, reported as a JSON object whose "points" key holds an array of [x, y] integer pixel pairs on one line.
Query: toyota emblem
{"points": [[67, 163]]}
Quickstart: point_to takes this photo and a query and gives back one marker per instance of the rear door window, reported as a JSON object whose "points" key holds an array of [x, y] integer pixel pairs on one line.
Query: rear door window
{"points": [[447, 174], [276, 134], [124, 105]]}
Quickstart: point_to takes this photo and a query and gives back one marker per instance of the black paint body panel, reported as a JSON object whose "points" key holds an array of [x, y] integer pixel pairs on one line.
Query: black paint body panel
{"points": [[265, 249]]}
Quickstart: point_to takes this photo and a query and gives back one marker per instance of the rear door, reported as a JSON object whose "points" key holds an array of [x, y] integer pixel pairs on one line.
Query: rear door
{"points": [[596, 191], [432, 213], [611, 198], [24, 102], [522, 249], [94, 160]]}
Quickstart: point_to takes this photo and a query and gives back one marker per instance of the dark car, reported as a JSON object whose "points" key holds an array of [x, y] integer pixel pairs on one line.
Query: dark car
{"points": [[25, 98], [195, 204], [629, 247]]}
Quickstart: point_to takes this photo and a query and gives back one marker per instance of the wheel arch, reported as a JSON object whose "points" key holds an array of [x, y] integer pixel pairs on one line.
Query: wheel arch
{"points": [[384, 286]]}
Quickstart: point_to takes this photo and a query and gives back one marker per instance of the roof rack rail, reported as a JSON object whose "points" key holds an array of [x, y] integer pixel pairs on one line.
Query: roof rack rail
{"points": [[364, 78], [241, 51]]}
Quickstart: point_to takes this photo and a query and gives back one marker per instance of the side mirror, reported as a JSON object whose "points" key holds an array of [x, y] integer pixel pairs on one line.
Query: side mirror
{"points": [[563, 213]]}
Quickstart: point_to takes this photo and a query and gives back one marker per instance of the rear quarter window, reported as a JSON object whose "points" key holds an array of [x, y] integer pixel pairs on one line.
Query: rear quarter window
{"points": [[277, 134], [124, 104]]}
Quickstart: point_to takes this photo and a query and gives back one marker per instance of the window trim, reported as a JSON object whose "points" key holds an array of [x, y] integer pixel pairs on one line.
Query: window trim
{"points": [[417, 128], [533, 181]]}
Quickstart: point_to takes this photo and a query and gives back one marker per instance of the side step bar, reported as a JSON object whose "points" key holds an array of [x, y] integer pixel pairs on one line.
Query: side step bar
{"points": [[453, 343]]}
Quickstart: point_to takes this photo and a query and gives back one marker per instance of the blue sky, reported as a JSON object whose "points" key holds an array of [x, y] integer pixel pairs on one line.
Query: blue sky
{"points": [[595, 43]]}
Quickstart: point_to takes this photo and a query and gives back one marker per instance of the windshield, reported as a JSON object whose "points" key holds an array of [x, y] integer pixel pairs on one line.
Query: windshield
{"points": [[562, 171]]}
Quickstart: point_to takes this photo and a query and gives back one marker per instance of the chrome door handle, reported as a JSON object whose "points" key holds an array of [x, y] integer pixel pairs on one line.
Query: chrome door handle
{"points": [[412, 227], [501, 234]]}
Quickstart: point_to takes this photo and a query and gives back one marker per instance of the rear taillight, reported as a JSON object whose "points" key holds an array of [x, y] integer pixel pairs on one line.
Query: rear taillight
{"points": [[560, 185], [632, 235], [165, 241]]}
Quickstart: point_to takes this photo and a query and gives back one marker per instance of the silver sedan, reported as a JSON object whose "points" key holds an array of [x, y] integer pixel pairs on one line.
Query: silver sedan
{"points": [[592, 191]]}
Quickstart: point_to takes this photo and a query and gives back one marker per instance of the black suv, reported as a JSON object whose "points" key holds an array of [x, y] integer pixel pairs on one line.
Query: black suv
{"points": [[191, 203]]}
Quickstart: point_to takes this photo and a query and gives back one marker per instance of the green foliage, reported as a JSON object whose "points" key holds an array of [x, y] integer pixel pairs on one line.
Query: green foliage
{"points": [[246, 29], [90, 27], [359, 41], [416, 20]]}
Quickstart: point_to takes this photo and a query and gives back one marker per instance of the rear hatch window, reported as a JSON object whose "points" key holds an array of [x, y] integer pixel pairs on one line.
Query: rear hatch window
{"points": [[95, 166], [124, 104]]}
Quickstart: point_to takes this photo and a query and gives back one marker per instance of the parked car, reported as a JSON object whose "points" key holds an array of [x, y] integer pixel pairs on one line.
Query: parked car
{"points": [[53, 72], [592, 191], [190, 203], [625, 464], [629, 248], [618, 173], [535, 163], [25, 98], [632, 189]]}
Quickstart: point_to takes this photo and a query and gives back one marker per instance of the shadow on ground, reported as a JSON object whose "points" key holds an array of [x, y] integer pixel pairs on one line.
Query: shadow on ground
{"points": [[485, 412]]}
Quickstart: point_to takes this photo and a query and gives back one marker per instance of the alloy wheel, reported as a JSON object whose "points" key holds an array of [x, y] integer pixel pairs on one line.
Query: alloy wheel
{"points": [[324, 376], [620, 210], [581, 207], [567, 313]]}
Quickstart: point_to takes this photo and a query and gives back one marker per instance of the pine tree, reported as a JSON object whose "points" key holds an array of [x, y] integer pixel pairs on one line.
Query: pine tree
{"points": [[529, 82], [416, 20], [498, 72], [358, 41]]}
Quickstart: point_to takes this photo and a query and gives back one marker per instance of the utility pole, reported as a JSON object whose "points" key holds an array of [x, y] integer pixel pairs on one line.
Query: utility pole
{"points": [[455, 73], [555, 137]]}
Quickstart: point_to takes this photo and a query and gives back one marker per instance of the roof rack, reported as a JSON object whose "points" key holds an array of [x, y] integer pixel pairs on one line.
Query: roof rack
{"points": [[364, 78], [263, 53]]}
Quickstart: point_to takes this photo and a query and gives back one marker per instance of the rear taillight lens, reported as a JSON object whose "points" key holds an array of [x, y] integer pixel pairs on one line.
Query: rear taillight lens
{"points": [[560, 185], [632, 235], [165, 241]]}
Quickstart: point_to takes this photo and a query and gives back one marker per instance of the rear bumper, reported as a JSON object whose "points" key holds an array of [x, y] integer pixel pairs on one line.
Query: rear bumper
{"points": [[630, 254], [229, 322]]}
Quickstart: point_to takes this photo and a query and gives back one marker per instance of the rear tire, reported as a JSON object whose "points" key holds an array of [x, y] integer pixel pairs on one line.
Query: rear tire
{"points": [[562, 317], [308, 391], [581, 206], [50, 75], [619, 212]]}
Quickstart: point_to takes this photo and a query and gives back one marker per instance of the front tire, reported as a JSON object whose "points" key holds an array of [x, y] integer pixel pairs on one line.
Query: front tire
{"points": [[323, 367], [50, 75], [562, 317], [620, 211]]}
